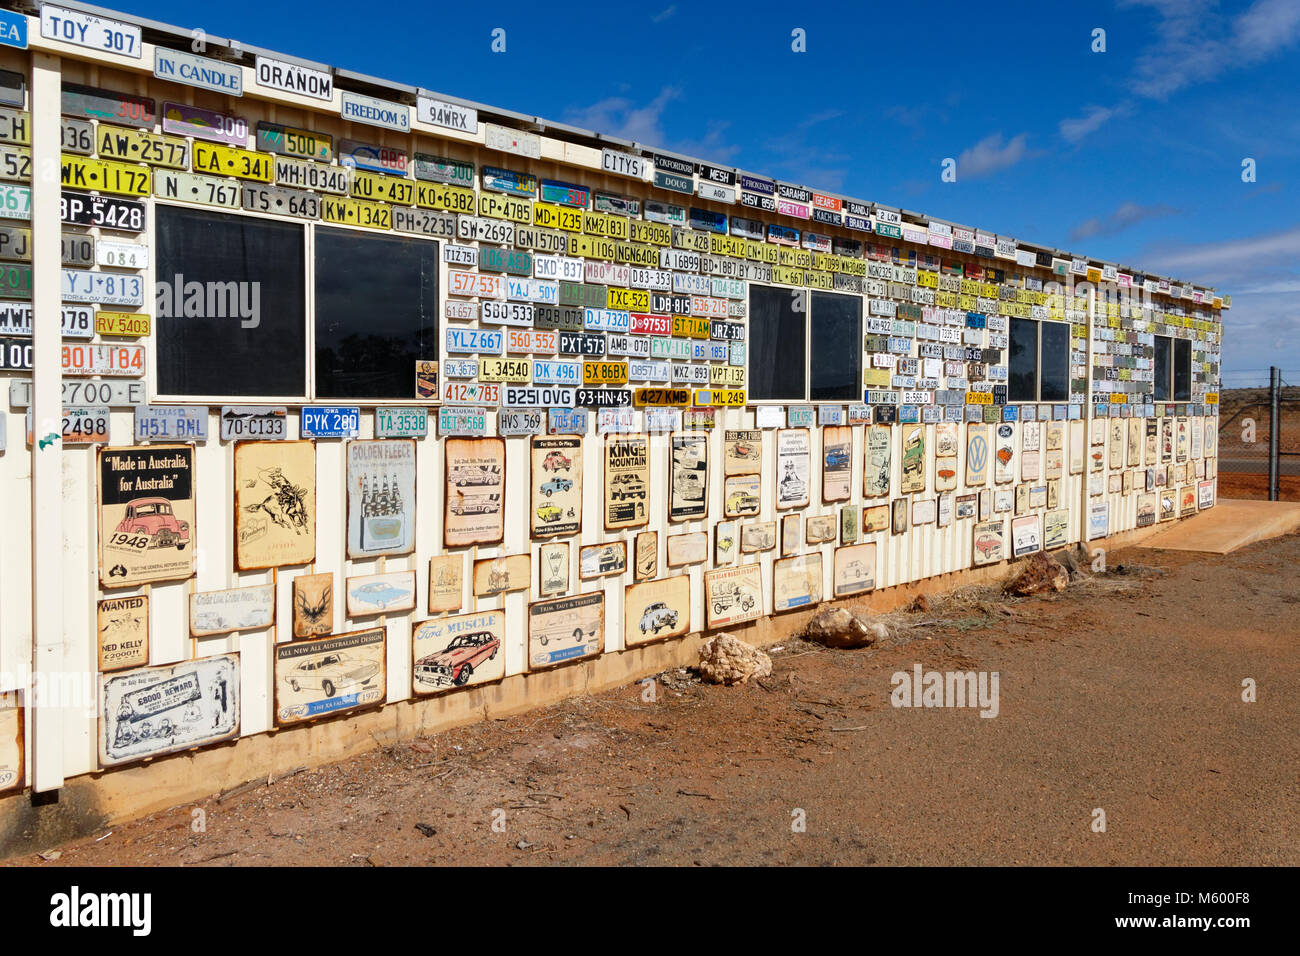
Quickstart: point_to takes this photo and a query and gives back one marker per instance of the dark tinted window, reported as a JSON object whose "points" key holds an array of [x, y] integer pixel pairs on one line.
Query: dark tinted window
{"points": [[776, 343], [1182, 370], [1055, 369], [376, 313], [1162, 368], [1022, 361], [836, 347], [230, 305]]}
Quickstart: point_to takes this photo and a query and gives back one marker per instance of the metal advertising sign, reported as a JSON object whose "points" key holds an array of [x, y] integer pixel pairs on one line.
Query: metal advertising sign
{"points": [[146, 514]]}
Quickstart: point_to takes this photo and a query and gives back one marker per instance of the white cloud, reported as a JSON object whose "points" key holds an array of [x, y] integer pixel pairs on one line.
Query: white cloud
{"points": [[663, 15], [1126, 215], [989, 155], [1240, 259], [1073, 130], [619, 116]]}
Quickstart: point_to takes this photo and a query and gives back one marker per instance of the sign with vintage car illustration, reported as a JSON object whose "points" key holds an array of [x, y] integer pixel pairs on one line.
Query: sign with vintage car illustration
{"points": [[989, 542], [757, 536], [275, 504], [819, 529], [724, 542], [233, 609], [474, 512], [556, 506], [446, 582], [313, 604], [152, 711], [388, 593], [565, 629], [1026, 535], [740, 495], [597, 560], [456, 651], [855, 569], [381, 497], [792, 467], [796, 582], [688, 491], [837, 463], [146, 514], [627, 481], [742, 452], [501, 575], [733, 595], [654, 610], [327, 675], [122, 624], [913, 459]]}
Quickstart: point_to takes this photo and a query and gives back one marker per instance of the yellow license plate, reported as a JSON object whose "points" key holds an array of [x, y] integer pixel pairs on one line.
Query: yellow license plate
{"points": [[604, 373], [592, 247], [727, 246], [820, 280], [16, 163], [879, 377], [691, 326], [116, 142], [379, 188], [504, 370], [661, 396], [629, 300], [443, 196], [130, 324], [787, 276], [557, 217], [106, 176], [728, 376], [16, 126], [603, 224], [505, 207], [720, 397], [191, 187], [658, 233], [233, 161], [357, 212], [690, 239], [636, 254]]}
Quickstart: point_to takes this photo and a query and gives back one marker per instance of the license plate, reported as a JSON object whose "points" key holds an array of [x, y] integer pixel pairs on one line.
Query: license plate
{"points": [[120, 255], [671, 348], [637, 346], [505, 207], [380, 188], [357, 212], [532, 340], [519, 422], [439, 169], [720, 397], [542, 240], [317, 176], [252, 421], [83, 425], [16, 282], [691, 326], [460, 368], [15, 354], [79, 209], [661, 396], [558, 268], [521, 396], [203, 124], [474, 340], [603, 398], [140, 146], [642, 371], [290, 141], [441, 225], [581, 344], [119, 361], [104, 287], [460, 255], [441, 196], [604, 373], [629, 300], [75, 136], [233, 161], [474, 393], [16, 163], [454, 420], [77, 321], [194, 187], [75, 392], [330, 421], [107, 106], [606, 320], [170, 423], [659, 280], [282, 201], [557, 217], [557, 372], [401, 422], [16, 126], [504, 370], [15, 243], [494, 259], [651, 325], [557, 317], [474, 284], [106, 175], [472, 228], [128, 324], [377, 159], [728, 376], [532, 290], [77, 250]]}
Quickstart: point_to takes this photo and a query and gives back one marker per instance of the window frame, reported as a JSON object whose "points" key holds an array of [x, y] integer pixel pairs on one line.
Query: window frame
{"points": [[807, 313], [1038, 398]]}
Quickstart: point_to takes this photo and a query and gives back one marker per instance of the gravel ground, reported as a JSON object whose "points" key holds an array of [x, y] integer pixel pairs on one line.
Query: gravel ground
{"points": [[1124, 693]]}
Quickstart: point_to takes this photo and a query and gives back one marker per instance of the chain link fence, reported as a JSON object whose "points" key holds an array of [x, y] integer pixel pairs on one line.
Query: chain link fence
{"points": [[1259, 440]]}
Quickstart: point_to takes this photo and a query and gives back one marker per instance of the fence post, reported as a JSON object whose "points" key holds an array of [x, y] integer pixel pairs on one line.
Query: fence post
{"points": [[1274, 432]]}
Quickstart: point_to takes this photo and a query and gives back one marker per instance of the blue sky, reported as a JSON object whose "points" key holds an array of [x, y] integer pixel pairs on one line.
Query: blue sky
{"points": [[1133, 155]]}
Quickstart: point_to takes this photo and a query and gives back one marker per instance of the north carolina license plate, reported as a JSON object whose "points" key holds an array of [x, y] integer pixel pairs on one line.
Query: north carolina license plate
{"points": [[194, 187]]}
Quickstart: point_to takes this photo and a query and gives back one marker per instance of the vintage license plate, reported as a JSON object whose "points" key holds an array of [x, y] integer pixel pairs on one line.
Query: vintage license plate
{"points": [[727, 376], [233, 161], [460, 368], [119, 361], [512, 421], [377, 159], [16, 281], [79, 209], [15, 243], [15, 201], [107, 106], [171, 423], [400, 421], [291, 141], [15, 354], [661, 396], [330, 421], [121, 255], [261, 422], [140, 146], [380, 188], [282, 201], [525, 396], [82, 425], [195, 187], [76, 136], [108, 288], [464, 283], [505, 370], [316, 176], [505, 207], [532, 340], [16, 126], [473, 228], [128, 324], [443, 196], [459, 420], [480, 341], [441, 225], [16, 163], [606, 320], [440, 169], [472, 393], [604, 373], [603, 398], [78, 322], [203, 124], [557, 372], [119, 394], [357, 212], [106, 175], [75, 250], [581, 344]]}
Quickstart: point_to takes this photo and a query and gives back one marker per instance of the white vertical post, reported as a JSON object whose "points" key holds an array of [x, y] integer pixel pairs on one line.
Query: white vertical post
{"points": [[47, 416]]}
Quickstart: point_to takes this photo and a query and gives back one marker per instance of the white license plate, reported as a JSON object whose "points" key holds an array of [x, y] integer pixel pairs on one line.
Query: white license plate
{"points": [[195, 187], [557, 372], [121, 361], [16, 163], [302, 174], [106, 287], [472, 393], [472, 228], [15, 201], [508, 313], [76, 392], [281, 201], [122, 255], [16, 319], [83, 425]]}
